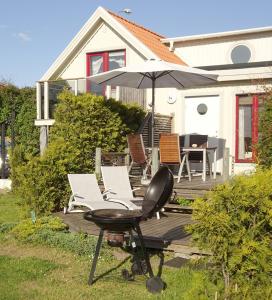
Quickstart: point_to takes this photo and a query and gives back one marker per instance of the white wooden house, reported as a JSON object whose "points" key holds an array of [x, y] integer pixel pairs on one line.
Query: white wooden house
{"points": [[227, 111]]}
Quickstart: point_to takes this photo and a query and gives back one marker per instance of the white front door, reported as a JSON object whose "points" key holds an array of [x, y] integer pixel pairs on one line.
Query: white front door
{"points": [[202, 116]]}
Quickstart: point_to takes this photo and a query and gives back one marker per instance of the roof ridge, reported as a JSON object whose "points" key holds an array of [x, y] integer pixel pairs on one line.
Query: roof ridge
{"points": [[135, 24]]}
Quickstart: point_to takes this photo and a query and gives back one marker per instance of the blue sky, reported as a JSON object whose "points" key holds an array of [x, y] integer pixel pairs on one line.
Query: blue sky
{"points": [[34, 32]]}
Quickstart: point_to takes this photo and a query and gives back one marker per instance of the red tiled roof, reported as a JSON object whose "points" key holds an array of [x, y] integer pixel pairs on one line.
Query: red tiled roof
{"points": [[149, 39]]}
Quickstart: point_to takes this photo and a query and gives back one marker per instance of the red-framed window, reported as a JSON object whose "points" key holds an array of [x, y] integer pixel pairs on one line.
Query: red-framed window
{"points": [[247, 112], [101, 62]]}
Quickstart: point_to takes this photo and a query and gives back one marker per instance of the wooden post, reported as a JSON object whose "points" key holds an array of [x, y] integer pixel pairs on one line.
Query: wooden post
{"points": [[46, 100], [39, 100], [98, 162], [155, 161], [127, 161], [76, 87], [226, 162]]}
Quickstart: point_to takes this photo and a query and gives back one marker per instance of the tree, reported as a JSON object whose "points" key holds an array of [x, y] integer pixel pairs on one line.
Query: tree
{"points": [[264, 147], [18, 112]]}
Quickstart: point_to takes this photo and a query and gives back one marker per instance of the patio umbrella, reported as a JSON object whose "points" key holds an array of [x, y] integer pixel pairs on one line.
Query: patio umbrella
{"points": [[153, 74]]}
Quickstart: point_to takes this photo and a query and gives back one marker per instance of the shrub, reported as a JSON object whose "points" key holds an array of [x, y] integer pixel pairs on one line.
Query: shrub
{"points": [[26, 228], [264, 147], [131, 115], [78, 243], [6, 227], [184, 202], [234, 222], [82, 123], [51, 231]]}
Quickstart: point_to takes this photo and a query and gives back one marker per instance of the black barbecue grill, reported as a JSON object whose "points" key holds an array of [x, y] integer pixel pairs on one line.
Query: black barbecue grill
{"points": [[118, 221]]}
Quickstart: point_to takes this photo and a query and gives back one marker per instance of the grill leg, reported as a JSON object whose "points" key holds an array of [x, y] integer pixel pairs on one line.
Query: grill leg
{"points": [[134, 252], [141, 239], [97, 250]]}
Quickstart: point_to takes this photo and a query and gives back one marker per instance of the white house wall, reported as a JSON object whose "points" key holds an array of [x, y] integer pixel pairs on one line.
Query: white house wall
{"points": [[217, 52], [227, 122], [103, 39]]}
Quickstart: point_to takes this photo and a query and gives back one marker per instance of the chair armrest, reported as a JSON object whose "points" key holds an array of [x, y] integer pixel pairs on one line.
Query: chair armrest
{"points": [[73, 196], [128, 204], [106, 193]]}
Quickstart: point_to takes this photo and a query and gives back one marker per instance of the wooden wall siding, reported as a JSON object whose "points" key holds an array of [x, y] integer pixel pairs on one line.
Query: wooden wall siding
{"points": [[130, 96], [163, 124]]}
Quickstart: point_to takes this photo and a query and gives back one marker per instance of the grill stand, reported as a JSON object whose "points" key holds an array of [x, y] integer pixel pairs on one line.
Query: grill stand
{"points": [[154, 284], [97, 251]]}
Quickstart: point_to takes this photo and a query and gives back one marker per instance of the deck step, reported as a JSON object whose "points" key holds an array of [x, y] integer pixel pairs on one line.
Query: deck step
{"points": [[189, 194], [177, 208]]}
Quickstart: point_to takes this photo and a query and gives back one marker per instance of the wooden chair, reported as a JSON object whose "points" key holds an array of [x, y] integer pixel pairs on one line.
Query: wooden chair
{"points": [[171, 154], [201, 140], [137, 152]]}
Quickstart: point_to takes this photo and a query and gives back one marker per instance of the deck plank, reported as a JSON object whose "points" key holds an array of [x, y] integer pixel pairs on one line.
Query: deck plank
{"points": [[164, 233]]}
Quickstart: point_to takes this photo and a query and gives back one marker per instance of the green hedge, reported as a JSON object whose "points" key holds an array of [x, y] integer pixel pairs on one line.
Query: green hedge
{"points": [[23, 103], [82, 123], [234, 222]]}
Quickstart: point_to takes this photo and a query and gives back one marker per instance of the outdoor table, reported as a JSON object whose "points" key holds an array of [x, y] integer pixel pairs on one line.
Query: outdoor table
{"points": [[204, 150]]}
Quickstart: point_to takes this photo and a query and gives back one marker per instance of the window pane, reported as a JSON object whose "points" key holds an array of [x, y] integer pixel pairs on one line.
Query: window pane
{"points": [[96, 68], [116, 60], [245, 128]]}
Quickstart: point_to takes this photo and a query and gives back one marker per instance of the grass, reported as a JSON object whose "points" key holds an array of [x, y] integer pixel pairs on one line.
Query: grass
{"points": [[10, 211], [41, 272], [19, 272]]}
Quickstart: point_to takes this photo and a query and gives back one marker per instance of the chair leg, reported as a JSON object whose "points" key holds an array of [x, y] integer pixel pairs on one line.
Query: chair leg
{"points": [[145, 172], [130, 167], [181, 168], [188, 166], [209, 165]]}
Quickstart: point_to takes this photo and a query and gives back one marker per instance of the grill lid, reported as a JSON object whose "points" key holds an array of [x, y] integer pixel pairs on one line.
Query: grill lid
{"points": [[158, 192]]}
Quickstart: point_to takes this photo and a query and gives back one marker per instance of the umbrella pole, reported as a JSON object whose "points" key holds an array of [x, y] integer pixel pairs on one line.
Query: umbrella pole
{"points": [[153, 113]]}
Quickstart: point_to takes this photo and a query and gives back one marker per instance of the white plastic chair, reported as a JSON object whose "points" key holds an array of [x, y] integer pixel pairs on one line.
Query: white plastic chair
{"points": [[117, 184], [86, 192]]}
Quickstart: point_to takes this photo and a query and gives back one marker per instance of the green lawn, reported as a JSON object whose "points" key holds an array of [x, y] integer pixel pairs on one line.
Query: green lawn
{"points": [[41, 272], [10, 211]]}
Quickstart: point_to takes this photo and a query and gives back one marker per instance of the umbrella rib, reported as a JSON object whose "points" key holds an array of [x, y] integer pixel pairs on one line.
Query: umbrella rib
{"points": [[147, 74], [143, 76], [104, 81], [163, 74], [176, 80]]}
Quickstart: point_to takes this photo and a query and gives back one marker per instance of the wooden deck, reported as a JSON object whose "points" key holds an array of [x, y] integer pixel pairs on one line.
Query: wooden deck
{"points": [[167, 233], [185, 188]]}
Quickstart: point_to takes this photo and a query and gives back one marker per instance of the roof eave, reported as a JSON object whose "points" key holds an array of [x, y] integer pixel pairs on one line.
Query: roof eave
{"points": [[217, 35]]}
